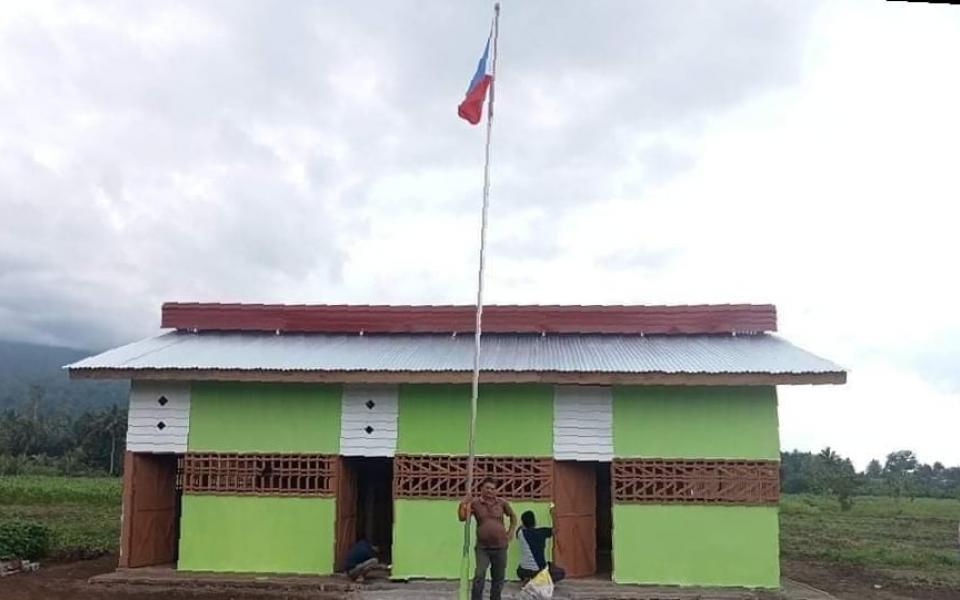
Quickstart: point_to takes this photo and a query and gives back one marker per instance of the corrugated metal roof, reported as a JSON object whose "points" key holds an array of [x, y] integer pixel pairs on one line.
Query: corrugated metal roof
{"points": [[759, 353]]}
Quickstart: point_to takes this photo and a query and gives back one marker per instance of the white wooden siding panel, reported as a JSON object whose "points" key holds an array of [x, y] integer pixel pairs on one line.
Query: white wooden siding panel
{"points": [[597, 425], [582, 423], [372, 447], [588, 433], [590, 448], [363, 420], [568, 423], [356, 416], [137, 439], [585, 443], [582, 415], [159, 413], [146, 413], [387, 436], [389, 432], [578, 417], [151, 422], [152, 430]]}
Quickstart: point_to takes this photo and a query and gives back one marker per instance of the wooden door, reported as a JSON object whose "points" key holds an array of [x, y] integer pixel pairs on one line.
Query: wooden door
{"points": [[150, 510], [346, 511], [575, 517]]}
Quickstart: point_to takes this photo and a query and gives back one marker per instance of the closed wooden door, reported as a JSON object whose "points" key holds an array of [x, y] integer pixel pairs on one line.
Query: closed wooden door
{"points": [[575, 517], [150, 515], [346, 511]]}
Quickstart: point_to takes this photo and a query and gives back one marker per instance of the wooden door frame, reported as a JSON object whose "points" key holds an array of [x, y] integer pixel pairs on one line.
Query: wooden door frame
{"points": [[126, 510], [130, 535], [345, 525], [583, 470]]}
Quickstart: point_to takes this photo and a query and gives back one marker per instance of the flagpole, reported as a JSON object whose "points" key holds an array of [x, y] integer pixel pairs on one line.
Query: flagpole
{"points": [[475, 386]]}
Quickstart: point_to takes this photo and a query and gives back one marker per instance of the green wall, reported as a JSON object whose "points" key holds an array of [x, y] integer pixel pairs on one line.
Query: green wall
{"points": [[512, 420], [681, 544], [428, 538], [264, 417], [695, 422], [696, 545], [257, 534], [433, 419]]}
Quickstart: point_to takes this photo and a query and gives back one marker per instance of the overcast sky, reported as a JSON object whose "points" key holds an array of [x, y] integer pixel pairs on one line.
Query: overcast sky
{"points": [[798, 153]]}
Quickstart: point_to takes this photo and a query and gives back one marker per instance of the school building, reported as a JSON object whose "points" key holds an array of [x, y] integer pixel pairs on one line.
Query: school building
{"points": [[268, 438]]}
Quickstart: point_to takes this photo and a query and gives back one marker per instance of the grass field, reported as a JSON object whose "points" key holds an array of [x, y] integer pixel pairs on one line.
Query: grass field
{"points": [[910, 541], [83, 513]]}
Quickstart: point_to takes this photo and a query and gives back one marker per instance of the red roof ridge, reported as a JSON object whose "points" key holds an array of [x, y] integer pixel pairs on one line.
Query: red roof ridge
{"points": [[446, 318]]}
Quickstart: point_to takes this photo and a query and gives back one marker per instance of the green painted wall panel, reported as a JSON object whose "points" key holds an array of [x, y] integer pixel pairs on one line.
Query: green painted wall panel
{"points": [[695, 422], [433, 419], [257, 534], [696, 545], [515, 420], [512, 420], [264, 417], [428, 538]]}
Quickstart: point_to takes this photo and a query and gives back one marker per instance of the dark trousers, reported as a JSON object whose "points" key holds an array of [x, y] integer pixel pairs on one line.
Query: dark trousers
{"points": [[496, 560], [556, 573]]}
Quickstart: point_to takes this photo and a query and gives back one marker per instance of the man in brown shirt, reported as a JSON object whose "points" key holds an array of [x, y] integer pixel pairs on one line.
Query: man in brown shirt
{"points": [[492, 537]]}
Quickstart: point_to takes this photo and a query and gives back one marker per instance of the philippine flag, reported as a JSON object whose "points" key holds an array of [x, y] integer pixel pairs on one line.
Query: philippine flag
{"points": [[471, 108]]}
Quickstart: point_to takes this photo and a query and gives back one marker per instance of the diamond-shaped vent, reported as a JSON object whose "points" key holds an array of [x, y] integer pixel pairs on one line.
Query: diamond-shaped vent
{"points": [[368, 429], [161, 425], [162, 400], [370, 404]]}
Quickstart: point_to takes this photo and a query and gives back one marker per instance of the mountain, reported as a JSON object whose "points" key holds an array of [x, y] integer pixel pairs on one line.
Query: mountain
{"points": [[32, 374]]}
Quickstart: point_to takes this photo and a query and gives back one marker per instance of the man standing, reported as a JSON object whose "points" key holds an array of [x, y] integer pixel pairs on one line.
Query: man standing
{"points": [[492, 537]]}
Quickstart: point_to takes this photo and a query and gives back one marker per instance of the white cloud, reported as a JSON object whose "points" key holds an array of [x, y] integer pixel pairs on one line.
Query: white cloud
{"points": [[801, 154]]}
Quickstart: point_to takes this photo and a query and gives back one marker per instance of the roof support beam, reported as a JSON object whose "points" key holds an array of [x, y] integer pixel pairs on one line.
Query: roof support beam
{"points": [[555, 377]]}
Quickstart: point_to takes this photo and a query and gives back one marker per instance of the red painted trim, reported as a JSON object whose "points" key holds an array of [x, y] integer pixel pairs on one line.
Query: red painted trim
{"points": [[694, 319]]}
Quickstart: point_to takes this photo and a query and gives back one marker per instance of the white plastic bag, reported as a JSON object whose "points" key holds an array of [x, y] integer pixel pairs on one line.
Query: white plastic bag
{"points": [[540, 587]]}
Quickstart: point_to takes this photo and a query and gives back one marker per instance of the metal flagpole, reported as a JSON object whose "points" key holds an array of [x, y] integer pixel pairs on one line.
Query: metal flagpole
{"points": [[475, 387]]}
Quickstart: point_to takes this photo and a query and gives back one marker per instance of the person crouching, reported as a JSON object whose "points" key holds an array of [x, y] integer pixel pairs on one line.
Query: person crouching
{"points": [[533, 543]]}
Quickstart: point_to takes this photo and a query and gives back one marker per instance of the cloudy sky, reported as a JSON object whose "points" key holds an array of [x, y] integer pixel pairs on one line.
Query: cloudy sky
{"points": [[798, 153]]}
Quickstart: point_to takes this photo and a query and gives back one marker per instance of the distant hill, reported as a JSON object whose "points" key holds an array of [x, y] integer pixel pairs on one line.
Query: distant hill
{"points": [[29, 371]]}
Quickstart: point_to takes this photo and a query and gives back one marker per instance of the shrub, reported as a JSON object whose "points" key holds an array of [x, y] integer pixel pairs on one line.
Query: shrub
{"points": [[24, 539], [11, 465]]}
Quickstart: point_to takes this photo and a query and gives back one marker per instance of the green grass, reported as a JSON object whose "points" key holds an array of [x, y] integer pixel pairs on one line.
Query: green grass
{"points": [[83, 513], [910, 540]]}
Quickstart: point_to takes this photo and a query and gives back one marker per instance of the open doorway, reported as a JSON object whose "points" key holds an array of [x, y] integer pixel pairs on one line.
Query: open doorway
{"points": [[365, 505], [604, 493], [583, 522]]}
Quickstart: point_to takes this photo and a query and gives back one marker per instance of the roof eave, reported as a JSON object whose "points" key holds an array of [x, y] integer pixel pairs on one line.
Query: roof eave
{"points": [[396, 377]]}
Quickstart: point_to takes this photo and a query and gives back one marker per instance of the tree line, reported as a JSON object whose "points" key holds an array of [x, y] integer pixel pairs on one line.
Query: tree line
{"points": [[86, 443], [901, 475]]}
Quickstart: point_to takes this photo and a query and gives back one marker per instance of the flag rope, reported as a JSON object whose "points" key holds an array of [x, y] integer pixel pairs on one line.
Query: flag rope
{"points": [[475, 383]]}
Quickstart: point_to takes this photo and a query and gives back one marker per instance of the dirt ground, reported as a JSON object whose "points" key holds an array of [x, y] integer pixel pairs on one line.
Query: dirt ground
{"points": [[68, 581], [851, 583]]}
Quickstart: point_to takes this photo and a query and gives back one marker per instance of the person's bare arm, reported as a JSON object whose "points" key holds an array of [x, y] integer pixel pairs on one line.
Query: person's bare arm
{"points": [[513, 521], [463, 511]]}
